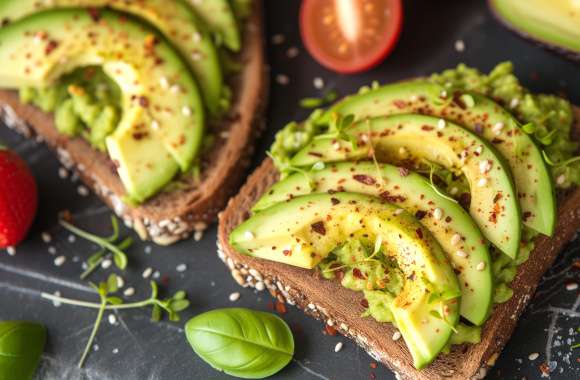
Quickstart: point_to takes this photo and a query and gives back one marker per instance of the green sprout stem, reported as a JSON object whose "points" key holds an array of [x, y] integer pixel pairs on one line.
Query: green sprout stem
{"points": [[90, 237], [94, 305], [101, 307]]}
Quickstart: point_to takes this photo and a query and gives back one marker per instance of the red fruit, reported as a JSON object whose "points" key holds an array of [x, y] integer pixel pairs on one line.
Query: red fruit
{"points": [[18, 198]]}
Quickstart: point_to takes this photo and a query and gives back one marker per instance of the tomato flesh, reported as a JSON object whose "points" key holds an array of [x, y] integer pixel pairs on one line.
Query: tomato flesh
{"points": [[350, 36]]}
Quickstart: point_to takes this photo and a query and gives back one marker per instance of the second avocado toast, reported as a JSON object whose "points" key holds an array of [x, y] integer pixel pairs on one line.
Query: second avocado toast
{"points": [[425, 204], [155, 103]]}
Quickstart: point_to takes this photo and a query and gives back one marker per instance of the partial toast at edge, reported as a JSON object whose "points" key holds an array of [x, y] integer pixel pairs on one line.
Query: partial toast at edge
{"points": [[173, 215], [308, 292]]}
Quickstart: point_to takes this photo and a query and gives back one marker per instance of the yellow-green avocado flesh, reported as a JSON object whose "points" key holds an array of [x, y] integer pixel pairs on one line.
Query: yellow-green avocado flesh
{"points": [[304, 230], [412, 139], [447, 221], [480, 114], [175, 19], [160, 132]]}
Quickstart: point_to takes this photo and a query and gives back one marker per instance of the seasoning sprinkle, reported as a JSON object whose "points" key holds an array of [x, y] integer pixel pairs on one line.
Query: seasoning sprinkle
{"points": [[441, 124], [497, 128], [129, 292], [83, 191], [181, 268], [112, 319], [318, 83], [278, 39], [106, 263], [234, 296], [147, 272], [248, 235], [155, 125], [459, 46], [561, 179], [461, 253], [164, 83], [186, 111], [571, 286], [120, 282], [397, 335], [482, 182], [438, 213], [282, 79], [292, 52], [455, 239], [59, 260], [533, 356], [484, 166], [480, 266], [338, 347], [45, 236]]}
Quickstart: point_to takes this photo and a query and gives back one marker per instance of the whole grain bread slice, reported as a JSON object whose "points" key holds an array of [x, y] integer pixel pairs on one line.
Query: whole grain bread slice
{"points": [[309, 292], [192, 204]]}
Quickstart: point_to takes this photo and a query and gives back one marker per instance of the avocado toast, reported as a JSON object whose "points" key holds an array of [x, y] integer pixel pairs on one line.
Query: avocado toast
{"points": [[162, 137], [343, 289]]}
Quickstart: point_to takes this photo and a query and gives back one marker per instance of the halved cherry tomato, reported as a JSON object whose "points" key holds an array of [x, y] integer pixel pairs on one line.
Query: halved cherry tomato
{"points": [[350, 36]]}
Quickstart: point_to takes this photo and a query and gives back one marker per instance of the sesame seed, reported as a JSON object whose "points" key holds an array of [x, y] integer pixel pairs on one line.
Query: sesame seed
{"points": [[571, 286], [115, 350], [175, 89], [45, 236], [234, 296], [129, 292], [461, 253], [479, 149], [402, 151], [62, 173], [561, 179], [497, 127], [338, 347], [459, 46], [482, 182], [396, 335], [96, 347], [59, 260], [318, 83], [248, 235], [181, 268], [52, 250], [282, 79], [454, 190], [260, 286], [196, 56], [278, 39], [533, 356], [443, 94], [147, 250], [55, 302], [197, 235], [414, 98], [438, 213], [364, 137], [11, 251], [120, 282], [106, 263], [318, 165], [155, 125], [72, 238], [336, 145], [292, 52], [156, 274], [441, 124], [112, 319], [83, 191], [514, 103], [484, 166], [480, 266], [196, 37], [147, 272], [455, 239], [399, 211], [164, 83], [186, 111]]}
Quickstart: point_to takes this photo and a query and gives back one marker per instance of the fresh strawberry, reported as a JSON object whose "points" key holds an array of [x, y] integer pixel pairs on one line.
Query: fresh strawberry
{"points": [[18, 198]]}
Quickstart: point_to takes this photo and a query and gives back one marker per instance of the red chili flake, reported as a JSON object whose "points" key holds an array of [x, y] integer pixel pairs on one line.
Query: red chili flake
{"points": [[52, 44], [576, 264], [358, 274], [287, 252], [544, 369], [315, 154], [496, 141], [334, 201], [448, 219], [497, 197], [329, 330], [374, 365], [391, 198], [403, 172], [66, 216], [364, 179], [94, 13], [526, 215], [419, 233], [427, 128], [364, 303], [139, 135], [420, 214], [400, 104], [281, 307], [411, 277], [318, 227], [143, 101]]}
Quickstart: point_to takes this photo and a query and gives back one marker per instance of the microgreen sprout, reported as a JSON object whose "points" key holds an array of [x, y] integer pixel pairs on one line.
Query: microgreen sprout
{"points": [[172, 305], [286, 169], [327, 98], [109, 245], [559, 164], [435, 188]]}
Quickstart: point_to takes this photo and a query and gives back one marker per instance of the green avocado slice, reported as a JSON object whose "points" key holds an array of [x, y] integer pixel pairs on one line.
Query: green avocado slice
{"points": [[219, 17], [550, 22], [478, 113], [304, 230], [410, 139], [447, 221], [174, 19], [39, 49]]}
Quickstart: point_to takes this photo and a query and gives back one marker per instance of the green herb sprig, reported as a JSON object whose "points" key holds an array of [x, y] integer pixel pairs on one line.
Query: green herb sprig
{"points": [[109, 246], [172, 305], [313, 102], [559, 164]]}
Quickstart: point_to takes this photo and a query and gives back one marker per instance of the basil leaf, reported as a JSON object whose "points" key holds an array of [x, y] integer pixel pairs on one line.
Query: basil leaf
{"points": [[241, 342], [21, 345]]}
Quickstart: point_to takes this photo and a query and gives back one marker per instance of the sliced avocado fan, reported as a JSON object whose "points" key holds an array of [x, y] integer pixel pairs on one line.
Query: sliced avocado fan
{"points": [[447, 221], [306, 229], [480, 114], [411, 140], [219, 17], [174, 19], [160, 132]]}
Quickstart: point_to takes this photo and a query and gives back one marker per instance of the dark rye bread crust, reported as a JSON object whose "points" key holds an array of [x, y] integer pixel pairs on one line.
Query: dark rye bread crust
{"points": [[309, 292], [171, 215]]}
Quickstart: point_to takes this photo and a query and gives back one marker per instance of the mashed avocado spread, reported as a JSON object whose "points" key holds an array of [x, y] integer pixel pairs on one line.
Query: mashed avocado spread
{"points": [[85, 103], [547, 118]]}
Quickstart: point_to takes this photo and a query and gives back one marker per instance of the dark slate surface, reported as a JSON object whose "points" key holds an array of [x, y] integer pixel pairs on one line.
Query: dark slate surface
{"points": [[146, 350]]}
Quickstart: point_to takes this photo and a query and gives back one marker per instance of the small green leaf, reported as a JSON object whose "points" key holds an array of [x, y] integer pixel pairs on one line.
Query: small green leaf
{"points": [[120, 260], [529, 128], [115, 235], [156, 313], [126, 243], [311, 102], [94, 258], [179, 305], [21, 346], [103, 289], [112, 284], [179, 295], [115, 300], [241, 342], [154, 289]]}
